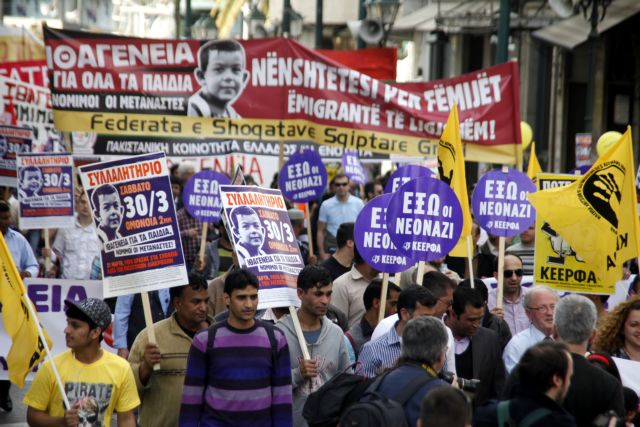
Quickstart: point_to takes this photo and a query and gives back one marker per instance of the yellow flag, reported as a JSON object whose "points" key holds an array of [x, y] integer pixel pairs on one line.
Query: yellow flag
{"points": [[534, 166], [597, 215], [451, 171], [27, 349]]}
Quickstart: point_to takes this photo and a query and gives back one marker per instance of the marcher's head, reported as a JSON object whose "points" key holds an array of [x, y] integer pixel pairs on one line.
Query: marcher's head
{"points": [[83, 207], [634, 287], [363, 266], [185, 170], [249, 231], [107, 207], [620, 327], [372, 298], [341, 184], [512, 272], [466, 312], [539, 304], [344, 236], [630, 404], [176, 186], [86, 321], [241, 294], [442, 288], [296, 216], [30, 179], [424, 340], [5, 216], [477, 285], [445, 407], [314, 290], [221, 70], [574, 320], [528, 236], [547, 368], [415, 301], [191, 301], [373, 189]]}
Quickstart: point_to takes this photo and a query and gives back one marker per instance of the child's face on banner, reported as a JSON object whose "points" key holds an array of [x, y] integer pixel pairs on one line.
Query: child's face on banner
{"points": [[250, 231], [224, 76]]}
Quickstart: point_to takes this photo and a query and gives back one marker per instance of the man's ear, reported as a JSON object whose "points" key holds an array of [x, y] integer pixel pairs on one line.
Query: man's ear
{"points": [[403, 314], [226, 298], [350, 243], [592, 337], [376, 304], [300, 293]]}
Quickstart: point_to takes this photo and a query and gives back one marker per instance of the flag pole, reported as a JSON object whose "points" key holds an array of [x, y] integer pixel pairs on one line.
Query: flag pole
{"points": [[500, 288], [420, 273], [383, 296], [470, 259]]}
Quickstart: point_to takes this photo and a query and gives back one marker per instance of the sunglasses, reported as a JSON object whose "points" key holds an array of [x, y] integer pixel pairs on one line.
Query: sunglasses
{"points": [[508, 273], [340, 184]]}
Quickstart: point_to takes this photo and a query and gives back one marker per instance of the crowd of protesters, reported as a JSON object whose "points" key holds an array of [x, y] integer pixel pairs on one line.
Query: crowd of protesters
{"points": [[540, 359]]}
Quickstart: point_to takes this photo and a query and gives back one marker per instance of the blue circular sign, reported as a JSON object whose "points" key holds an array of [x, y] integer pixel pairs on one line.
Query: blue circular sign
{"points": [[303, 177], [352, 167], [201, 195], [424, 219], [500, 203], [405, 174], [374, 242]]}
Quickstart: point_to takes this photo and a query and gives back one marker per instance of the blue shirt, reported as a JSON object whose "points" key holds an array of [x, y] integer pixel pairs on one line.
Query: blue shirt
{"points": [[380, 354], [519, 344], [122, 312], [21, 252], [333, 212]]}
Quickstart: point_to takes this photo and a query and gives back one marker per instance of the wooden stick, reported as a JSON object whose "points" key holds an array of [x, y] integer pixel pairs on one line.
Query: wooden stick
{"points": [[383, 296], [397, 278], [470, 259], [500, 289], [47, 245], [420, 273], [203, 243], [151, 333], [298, 328], [280, 154], [309, 233]]}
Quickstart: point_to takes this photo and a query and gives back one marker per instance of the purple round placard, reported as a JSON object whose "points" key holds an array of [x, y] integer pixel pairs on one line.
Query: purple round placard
{"points": [[424, 219], [403, 175], [352, 167], [374, 243], [500, 202], [201, 195], [303, 177]]}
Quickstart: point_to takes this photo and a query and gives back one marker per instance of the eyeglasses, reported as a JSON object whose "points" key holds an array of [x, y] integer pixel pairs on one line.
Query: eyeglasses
{"points": [[508, 273], [341, 184], [543, 308]]}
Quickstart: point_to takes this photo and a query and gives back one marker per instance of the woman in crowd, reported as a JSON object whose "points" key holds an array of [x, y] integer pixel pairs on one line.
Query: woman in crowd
{"points": [[619, 331]]}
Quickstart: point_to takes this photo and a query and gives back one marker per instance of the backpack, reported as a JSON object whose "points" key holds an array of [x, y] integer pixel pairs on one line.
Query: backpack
{"points": [[375, 409], [324, 406], [505, 420]]}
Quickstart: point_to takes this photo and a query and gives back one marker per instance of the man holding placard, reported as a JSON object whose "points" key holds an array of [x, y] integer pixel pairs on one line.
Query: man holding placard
{"points": [[512, 311]]}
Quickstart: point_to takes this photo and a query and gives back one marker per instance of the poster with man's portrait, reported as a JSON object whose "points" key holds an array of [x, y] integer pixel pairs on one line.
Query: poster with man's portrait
{"points": [[264, 241]]}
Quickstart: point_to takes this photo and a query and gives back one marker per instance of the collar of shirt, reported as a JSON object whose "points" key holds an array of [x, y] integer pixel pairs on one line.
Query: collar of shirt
{"points": [[518, 300], [462, 344], [536, 333], [355, 274], [392, 336]]}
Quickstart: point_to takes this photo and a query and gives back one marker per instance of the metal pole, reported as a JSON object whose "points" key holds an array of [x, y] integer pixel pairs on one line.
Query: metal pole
{"points": [[286, 18], [319, 23], [187, 19], [362, 14], [503, 32]]}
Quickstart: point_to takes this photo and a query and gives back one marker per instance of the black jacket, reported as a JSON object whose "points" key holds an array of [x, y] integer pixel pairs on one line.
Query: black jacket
{"points": [[488, 366]]}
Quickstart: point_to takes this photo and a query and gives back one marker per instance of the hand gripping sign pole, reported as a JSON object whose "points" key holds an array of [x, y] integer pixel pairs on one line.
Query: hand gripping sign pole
{"points": [[148, 319]]}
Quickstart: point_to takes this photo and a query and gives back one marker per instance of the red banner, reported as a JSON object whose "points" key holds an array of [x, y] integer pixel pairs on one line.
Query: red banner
{"points": [[141, 95]]}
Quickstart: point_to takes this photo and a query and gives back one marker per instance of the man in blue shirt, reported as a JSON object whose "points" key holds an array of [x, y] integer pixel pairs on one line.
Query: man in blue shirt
{"points": [[27, 265]]}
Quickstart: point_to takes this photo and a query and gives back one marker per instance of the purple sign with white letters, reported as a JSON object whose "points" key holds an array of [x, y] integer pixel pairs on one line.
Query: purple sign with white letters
{"points": [[353, 168], [303, 177], [500, 204], [373, 241], [424, 219], [201, 195], [404, 174]]}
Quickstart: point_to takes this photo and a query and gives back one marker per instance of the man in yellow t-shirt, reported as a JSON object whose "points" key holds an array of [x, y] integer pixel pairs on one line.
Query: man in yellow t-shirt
{"points": [[96, 382]]}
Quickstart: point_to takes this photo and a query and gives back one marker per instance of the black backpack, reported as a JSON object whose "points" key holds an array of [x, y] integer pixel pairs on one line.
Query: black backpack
{"points": [[324, 406], [375, 409]]}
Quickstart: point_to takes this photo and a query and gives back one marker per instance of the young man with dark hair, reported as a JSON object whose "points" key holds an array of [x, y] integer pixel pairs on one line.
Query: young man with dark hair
{"points": [[361, 332], [383, 352], [349, 288], [343, 207], [325, 341], [216, 389], [340, 262], [95, 382], [445, 407], [545, 376], [160, 391], [477, 349]]}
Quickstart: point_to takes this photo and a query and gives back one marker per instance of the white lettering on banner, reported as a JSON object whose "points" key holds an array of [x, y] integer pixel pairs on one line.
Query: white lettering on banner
{"points": [[418, 199], [330, 109], [100, 55], [378, 240], [496, 190], [517, 210], [377, 218], [167, 83], [484, 90], [424, 227], [302, 183]]}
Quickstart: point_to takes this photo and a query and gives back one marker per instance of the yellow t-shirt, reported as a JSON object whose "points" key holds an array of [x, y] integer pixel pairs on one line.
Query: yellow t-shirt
{"points": [[101, 387]]}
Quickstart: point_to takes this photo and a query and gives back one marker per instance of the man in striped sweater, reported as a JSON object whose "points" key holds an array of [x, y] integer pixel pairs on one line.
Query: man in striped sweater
{"points": [[238, 371]]}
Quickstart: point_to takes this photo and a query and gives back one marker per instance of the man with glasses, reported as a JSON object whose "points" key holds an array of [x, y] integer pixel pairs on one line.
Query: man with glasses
{"points": [[343, 207], [539, 304], [512, 311]]}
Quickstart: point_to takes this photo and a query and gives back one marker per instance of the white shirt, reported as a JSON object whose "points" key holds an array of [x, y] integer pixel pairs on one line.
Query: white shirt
{"points": [[78, 246], [519, 344], [450, 362]]}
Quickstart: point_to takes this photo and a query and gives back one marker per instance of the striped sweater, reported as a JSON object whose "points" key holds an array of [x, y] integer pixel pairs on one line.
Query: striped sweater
{"points": [[240, 381]]}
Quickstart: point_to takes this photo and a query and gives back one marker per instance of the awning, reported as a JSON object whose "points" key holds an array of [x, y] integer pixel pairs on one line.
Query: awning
{"points": [[423, 19], [574, 31]]}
